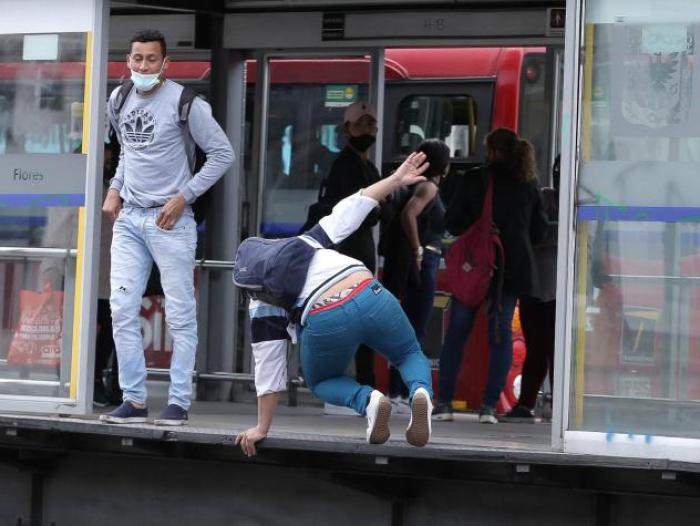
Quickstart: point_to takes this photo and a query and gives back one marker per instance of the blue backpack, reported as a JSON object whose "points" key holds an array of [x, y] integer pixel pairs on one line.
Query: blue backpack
{"points": [[274, 270]]}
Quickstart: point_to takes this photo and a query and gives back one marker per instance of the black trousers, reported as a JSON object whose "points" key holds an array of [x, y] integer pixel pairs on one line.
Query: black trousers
{"points": [[537, 320]]}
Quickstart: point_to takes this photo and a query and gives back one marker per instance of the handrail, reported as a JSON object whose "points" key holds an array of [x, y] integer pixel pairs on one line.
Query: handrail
{"points": [[37, 252], [214, 263], [219, 376], [43, 252], [661, 278]]}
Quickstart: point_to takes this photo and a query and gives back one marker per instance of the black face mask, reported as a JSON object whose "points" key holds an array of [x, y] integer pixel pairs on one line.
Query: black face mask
{"points": [[362, 143]]}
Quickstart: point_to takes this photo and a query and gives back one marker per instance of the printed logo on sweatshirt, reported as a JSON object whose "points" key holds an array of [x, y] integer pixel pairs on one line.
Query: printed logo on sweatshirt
{"points": [[138, 129]]}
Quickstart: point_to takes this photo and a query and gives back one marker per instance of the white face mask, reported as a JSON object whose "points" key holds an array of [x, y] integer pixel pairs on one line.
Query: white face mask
{"points": [[146, 81]]}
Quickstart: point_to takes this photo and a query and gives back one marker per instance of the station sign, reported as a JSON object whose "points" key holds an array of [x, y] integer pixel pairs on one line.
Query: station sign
{"points": [[556, 21], [42, 180]]}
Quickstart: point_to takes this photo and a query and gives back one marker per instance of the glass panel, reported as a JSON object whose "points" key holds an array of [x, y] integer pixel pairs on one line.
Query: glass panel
{"points": [[35, 342], [41, 127], [535, 110], [304, 133], [41, 112], [636, 340], [450, 118]]}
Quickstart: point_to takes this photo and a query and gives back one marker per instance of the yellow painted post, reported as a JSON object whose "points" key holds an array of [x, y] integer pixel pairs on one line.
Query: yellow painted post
{"points": [[582, 237], [78, 296]]}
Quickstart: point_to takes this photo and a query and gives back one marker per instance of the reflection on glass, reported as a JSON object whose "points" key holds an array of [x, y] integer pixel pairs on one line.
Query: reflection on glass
{"points": [[636, 340], [42, 83], [449, 118], [41, 112], [35, 338]]}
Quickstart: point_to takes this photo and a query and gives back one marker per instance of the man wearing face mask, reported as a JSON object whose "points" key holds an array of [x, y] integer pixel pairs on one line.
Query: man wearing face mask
{"points": [[351, 171], [149, 202]]}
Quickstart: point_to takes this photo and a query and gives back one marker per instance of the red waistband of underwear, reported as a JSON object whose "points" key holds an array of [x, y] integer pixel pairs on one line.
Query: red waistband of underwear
{"points": [[355, 291]]}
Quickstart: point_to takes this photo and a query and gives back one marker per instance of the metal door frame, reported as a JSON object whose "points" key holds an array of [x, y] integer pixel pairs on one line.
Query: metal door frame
{"points": [[262, 105]]}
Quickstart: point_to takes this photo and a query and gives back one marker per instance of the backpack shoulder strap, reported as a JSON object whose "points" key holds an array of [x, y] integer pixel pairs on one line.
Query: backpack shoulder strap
{"points": [[122, 95], [317, 235], [184, 105]]}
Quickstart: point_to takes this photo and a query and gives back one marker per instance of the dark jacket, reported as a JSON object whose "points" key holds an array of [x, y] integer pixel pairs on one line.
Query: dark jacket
{"points": [[517, 213], [348, 174]]}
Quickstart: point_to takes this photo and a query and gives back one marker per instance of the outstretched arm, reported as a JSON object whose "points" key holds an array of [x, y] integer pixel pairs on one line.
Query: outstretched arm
{"points": [[350, 212]]}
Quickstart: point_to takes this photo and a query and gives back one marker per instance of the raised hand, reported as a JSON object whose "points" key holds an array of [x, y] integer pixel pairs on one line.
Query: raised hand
{"points": [[411, 170]]}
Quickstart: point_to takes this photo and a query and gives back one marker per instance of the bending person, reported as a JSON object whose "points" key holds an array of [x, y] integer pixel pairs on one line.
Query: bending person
{"points": [[340, 307]]}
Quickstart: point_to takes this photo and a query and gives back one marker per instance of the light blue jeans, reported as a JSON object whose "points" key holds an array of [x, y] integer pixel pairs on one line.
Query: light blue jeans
{"points": [[137, 242], [329, 339]]}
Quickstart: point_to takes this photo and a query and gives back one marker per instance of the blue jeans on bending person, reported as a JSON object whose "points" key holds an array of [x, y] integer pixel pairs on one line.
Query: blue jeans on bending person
{"points": [[330, 338], [500, 348], [138, 242]]}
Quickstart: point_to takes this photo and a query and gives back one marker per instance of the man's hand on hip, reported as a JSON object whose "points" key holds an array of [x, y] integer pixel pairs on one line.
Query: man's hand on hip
{"points": [[171, 212], [112, 205]]}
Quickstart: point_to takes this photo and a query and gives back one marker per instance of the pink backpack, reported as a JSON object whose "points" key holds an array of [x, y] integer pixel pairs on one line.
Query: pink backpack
{"points": [[475, 257]]}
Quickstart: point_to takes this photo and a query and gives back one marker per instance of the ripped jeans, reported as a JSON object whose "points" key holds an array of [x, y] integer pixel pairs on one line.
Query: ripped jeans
{"points": [[138, 242]]}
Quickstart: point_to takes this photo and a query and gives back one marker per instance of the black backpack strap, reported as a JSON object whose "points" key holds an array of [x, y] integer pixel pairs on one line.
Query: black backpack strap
{"points": [[319, 235], [184, 106], [122, 95]]}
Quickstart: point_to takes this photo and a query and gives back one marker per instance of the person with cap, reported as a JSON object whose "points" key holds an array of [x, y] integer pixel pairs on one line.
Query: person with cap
{"points": [[351, 171]]}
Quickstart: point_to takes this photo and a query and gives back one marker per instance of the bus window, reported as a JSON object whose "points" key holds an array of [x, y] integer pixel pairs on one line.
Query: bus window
{"points": [[451, 118]]}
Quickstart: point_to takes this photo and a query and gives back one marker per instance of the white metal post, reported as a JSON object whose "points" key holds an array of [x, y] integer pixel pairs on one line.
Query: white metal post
{"points": [[567, 223]]}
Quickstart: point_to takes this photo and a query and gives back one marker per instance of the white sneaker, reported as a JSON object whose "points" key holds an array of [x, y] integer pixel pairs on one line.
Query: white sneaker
{"points": [[378, 413], [487, 415], [338, 410], [419, 428], [400, 405]]}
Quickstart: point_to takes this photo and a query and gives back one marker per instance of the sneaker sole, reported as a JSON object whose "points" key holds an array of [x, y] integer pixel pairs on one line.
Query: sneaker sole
{"points": [[488, 420], [171, 423], [119, 420], [418, 432], [443, 418], [381, 432]]}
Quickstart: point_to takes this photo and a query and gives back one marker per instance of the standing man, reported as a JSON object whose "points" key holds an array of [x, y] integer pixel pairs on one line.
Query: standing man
{"points": [[351, 171], [149, 202]]}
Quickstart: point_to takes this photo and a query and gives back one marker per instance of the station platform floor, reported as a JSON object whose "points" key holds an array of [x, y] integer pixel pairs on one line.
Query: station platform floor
{"points": [[305, 428]]}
